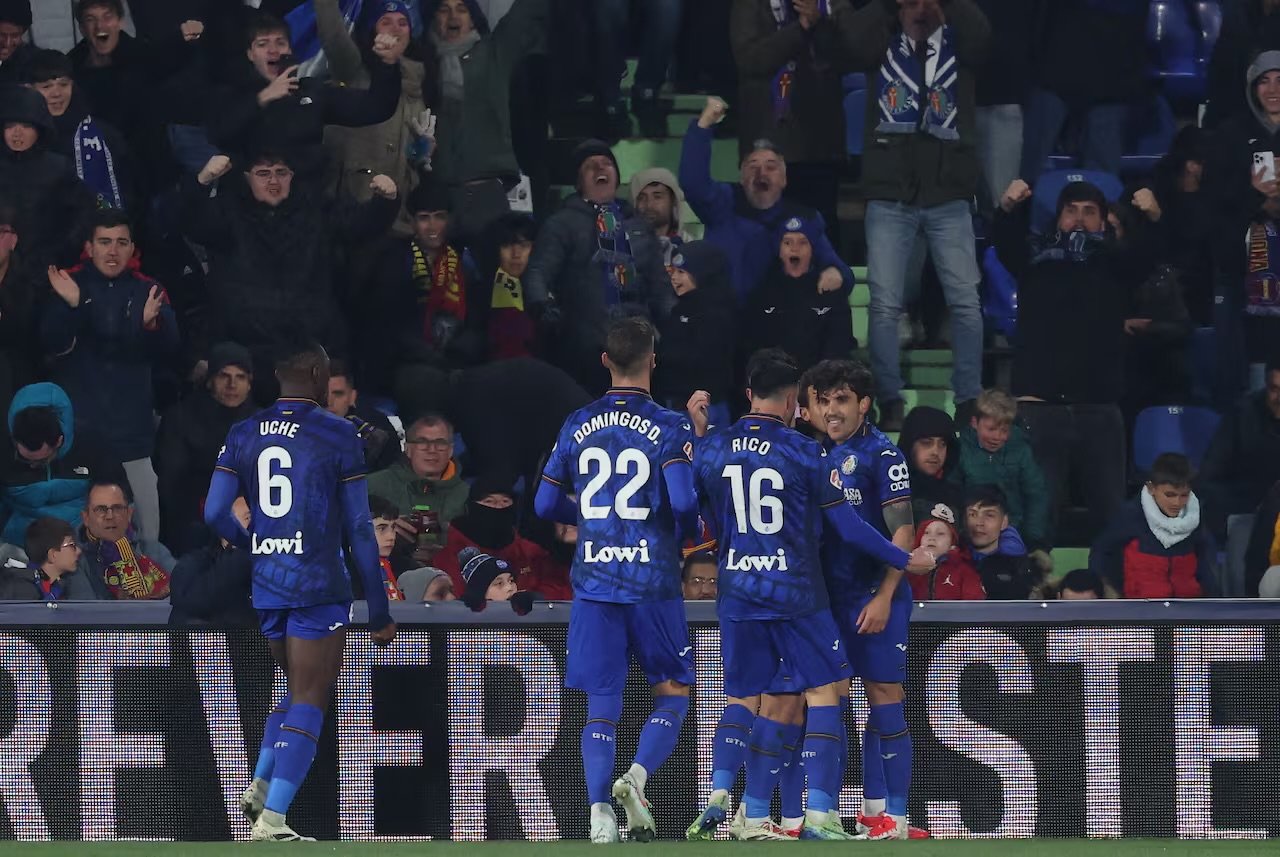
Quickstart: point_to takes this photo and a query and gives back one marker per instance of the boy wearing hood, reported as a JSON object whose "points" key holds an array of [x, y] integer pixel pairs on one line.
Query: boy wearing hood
{"points": [[928, 441], [1075, 290], [695, 346], [790, 311], [1245, 200]]}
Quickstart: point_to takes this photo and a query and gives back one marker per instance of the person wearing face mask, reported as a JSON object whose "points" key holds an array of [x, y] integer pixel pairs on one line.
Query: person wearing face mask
{"points": [[273, 246], [790, 312], [489, 526], [1075, 292]]}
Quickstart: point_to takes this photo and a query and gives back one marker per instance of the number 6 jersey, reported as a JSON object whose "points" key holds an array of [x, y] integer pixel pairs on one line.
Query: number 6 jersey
{"points": [[292, 461], [612, 455], [764, 487]]}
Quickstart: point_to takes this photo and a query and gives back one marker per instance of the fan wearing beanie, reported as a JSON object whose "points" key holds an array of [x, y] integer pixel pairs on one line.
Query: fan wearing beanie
{"points": [[595, 260], [491, 579], [955, 578], [696, 342], [789, 311]]}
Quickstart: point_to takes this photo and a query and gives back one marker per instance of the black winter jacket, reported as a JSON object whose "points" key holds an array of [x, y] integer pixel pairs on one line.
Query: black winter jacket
{"points": [[696, 347], [791, 314], [212, 585]]}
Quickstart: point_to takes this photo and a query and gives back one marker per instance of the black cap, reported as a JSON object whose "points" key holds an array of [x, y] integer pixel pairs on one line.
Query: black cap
{"points": [[16, 12], [226, 354], [701, 259], [429, 195], [589, 149]]}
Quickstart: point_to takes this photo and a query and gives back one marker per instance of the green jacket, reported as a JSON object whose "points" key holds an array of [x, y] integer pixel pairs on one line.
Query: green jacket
{"points": [[473, 140], [917, 169], [1015, 470], [446, 496]]}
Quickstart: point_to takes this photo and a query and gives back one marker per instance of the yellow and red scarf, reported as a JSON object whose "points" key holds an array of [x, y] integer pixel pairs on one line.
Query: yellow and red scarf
{"points": [[441, 286]]}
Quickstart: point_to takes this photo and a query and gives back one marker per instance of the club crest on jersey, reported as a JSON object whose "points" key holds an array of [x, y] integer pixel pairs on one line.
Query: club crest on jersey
{"points": [[849, 465], [835, 480]]}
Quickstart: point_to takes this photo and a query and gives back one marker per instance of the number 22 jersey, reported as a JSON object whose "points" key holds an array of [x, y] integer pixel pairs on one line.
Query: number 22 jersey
{"points": [[290, 460], [611, 454]]}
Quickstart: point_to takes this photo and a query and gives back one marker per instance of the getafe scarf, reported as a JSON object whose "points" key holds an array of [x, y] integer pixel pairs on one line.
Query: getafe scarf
{"points": [[1261, 284], [441, 287], [784, 13], [614, 251], [918, 93], [94, 164]]}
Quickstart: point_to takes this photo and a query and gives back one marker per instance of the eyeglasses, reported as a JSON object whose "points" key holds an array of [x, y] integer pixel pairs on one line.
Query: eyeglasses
{"points": [[703, 581], [104, 511], [68, 546], [279, 173], [437, 445]]}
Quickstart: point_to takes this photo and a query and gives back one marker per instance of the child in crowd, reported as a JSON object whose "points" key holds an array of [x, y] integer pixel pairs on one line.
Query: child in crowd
{"points": [[51, 575], [994, 451], [384, 515], [996, 548], [1157, 547], [488, 579], [696, 342], [1081, 585], [955, 578]]}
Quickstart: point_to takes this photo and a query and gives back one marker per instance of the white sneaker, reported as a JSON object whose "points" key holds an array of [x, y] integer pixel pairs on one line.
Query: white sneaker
{"points": [[639, 818], [267, 829], [252, 801], [738, 823], [604, 824], [765, 829]]}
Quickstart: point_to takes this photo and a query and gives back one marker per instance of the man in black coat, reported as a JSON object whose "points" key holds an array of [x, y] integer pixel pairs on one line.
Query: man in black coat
{"points": [[265, 105], [1243, 459], [594, 260], [191, 434], [15, 21]]}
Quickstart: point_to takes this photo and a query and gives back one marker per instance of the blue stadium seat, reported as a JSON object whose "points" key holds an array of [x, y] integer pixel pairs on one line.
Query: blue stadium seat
{"points": [[1208, 20], [1162, 429], [854, 80], [1175, 44], [1150, 132], [1203, 357], [1044, 196], [855, 115], [999, 295]]}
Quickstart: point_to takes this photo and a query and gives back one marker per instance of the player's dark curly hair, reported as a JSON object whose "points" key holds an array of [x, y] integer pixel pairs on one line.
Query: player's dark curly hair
{"points": [[831, 375]]}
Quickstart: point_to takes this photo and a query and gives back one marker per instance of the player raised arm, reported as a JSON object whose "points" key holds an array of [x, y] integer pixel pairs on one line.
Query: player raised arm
{"points": [[224, 488], [552, 504], [357, 527]]}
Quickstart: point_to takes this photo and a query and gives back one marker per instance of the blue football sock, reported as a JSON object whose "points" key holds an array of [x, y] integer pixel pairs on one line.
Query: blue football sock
{"points": [[765, 761], [872, 766], [598, 746], [294, 750], [791, 780], [267, 750], [658, 737], [822, 757], [895, 755], [730, 745]]}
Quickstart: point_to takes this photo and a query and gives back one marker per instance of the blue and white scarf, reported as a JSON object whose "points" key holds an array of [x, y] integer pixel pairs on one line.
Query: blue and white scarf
{"points": [[94, 164], [1075, 246], [916, 97]]}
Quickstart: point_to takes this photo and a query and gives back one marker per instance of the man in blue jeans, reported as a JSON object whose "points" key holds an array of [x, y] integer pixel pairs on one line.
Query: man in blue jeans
{"points": [[920, 172]]}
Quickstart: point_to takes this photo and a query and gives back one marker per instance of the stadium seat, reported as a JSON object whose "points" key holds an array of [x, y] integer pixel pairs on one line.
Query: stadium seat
{"points": [[854, 80], [1173, 428], [1175, 44], [1150, 133], [1208, 20], [855, 114], [1203, 358], [1044, 196], [999, 295]]}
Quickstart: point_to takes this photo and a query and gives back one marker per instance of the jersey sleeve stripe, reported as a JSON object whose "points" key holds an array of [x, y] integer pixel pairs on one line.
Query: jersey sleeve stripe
{"points": [[833, 503], [547, 478], [675, 461], [893, 500], [225, 469], [354, 477]]}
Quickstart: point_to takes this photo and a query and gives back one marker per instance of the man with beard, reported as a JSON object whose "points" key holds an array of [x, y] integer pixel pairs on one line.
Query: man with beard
{"points": [[190, 435], [743, 219], [99, 153], [656, 196], [595, 261], [1073, 299], [928, 441]]}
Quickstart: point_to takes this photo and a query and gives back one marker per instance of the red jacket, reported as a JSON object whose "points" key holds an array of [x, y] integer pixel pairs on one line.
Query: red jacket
{"points": [[1128, 554], [535, 569], [955, 579]]}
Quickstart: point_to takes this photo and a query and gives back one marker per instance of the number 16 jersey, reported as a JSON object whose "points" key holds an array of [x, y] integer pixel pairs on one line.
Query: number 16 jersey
{"points": [[611, 454], [764, 487], [291, 460]]}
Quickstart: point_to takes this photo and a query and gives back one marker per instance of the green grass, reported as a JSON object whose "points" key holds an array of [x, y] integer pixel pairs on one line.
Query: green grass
{"points": [[936, 848]]}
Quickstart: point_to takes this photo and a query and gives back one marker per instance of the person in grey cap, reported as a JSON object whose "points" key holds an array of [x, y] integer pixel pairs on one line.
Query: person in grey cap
{"points": [[1240, 184], [594, 260]]}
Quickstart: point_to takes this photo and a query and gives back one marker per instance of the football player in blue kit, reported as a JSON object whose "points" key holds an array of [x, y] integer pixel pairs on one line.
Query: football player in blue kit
{"points": [[871, 599], [767, 490], [302, 471], [625, 462]]}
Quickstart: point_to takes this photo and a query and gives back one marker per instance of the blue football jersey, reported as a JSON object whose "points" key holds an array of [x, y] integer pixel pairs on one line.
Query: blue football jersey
{"points": [[763, 488], [873, 473], [611, 455], [291, 460]]}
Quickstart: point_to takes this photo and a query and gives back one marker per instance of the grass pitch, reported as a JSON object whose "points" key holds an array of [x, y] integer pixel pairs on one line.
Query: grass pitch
{"points": [[932, 848]]}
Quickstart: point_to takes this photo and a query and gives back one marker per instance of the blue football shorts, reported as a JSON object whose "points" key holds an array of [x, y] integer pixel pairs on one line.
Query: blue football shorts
{"points": [[782, 655], [878, 657], [603, 638], [305, 623]]}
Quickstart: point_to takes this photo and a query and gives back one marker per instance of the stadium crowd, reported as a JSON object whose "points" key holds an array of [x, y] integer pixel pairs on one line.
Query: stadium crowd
{"points": [[199, 184]]}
